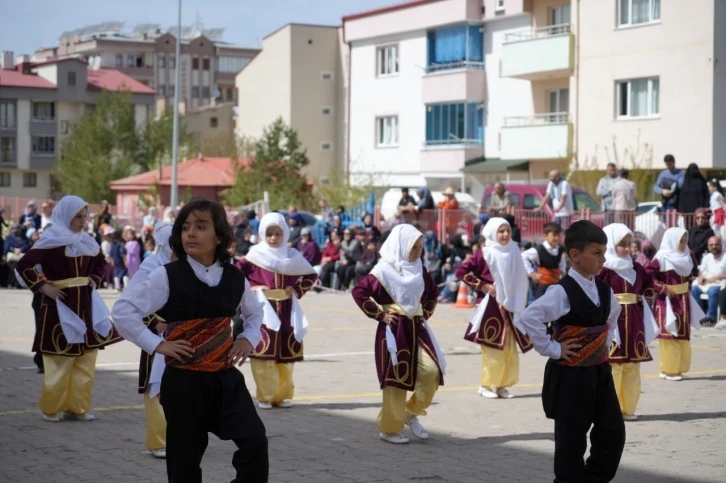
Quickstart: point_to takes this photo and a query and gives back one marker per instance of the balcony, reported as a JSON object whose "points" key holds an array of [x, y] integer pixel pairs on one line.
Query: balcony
{"points": [[468, 81], [449, 158], [542, 136], [539, 54]]}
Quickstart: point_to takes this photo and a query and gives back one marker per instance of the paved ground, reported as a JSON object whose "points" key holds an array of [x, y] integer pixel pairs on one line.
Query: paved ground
{"points": [[330, 435]]}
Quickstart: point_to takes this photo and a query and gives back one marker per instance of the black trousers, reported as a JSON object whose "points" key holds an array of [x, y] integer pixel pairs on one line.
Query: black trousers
{"points": [[38, 358], [196, 403], [580, 398], [345, 275], [722, 302]]}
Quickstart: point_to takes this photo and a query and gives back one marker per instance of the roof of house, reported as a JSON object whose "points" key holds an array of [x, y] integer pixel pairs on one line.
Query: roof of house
{"points": [[114, 80], [58, 61], [14, 78], [392, 8], [197, 172]]}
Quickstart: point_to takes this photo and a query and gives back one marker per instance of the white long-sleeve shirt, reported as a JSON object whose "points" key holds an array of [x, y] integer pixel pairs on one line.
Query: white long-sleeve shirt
{"points": [[553, 305], [145, 298], [531, 258]]}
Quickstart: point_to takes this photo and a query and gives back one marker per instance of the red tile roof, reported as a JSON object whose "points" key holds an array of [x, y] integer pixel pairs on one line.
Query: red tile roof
{"points": [[197, 172], [392, 8], [114, 80], [14, 78]]}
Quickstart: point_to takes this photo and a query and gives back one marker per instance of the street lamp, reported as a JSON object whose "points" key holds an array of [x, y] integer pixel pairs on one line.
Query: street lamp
{"points": [[175, 132]]}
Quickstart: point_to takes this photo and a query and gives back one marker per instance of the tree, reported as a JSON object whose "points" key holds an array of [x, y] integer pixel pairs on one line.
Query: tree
{"points": [[101, 147], [276, 167], [157, 137]]}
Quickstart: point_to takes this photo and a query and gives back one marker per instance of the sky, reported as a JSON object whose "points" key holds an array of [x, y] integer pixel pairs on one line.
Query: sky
{"points": [[26, 25]]}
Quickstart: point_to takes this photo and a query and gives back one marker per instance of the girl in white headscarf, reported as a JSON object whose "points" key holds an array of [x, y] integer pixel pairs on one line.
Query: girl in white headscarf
{"points": [[281, 276], [636, 325], [75, 320], [675, 310], [497, 274], [401, 296]]}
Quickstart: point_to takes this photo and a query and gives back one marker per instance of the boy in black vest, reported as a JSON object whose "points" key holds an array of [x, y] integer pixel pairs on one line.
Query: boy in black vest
{"points": [[578, 390], [201, 391], [546, 263]]}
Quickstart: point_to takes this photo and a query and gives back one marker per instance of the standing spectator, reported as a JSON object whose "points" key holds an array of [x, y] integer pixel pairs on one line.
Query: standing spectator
{"points": [[449, 203], [242, 246], [295, 223], [309, 249], [623, 198], [604, 190], [367, 261], [133, 252], [425, 200], [31, 218], [240, 228], [560, 194], [118, 253], [406, 200], [16, 245], [669, 183], [46, 209], [253, 222], [711, 274], [716, 205], [106, 245], [326, 212], [699, 234], [331, 255], [500, 200], [350, 252], [104, 217], [151, 217], [694, 192]]}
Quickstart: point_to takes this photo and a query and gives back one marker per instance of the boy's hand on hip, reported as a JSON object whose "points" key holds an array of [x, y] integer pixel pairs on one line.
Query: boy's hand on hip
{"points": [[567, 349], [178, 349], [240, 351]]}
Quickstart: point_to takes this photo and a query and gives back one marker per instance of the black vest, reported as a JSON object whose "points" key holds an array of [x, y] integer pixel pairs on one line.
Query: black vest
{"points": [[546, 259], [190, 298], [583, 312]]}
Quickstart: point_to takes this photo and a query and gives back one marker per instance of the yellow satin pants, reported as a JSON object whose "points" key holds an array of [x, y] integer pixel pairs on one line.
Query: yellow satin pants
{"points": [[392, 417], [675, 356], [627, 385], [273, 380], [68, 383], [155, 423], [500, 368]]}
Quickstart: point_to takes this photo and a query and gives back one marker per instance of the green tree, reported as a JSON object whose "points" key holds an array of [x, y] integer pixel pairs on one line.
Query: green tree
{"points": [[101, 147], [276, 167]]}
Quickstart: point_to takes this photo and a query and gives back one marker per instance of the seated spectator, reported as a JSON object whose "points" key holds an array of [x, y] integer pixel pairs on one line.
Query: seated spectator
{"points": [[31, 218], [330, 256], [500, 201], [433, 256], [367, 261], [340, 211], [647, 252], [350, 253], [699, 234], [711, 274], [295, 222], [253, 222], [425, 200], [337, 226], [309, 249], [16, 245], [369, 228], [243, 246]]}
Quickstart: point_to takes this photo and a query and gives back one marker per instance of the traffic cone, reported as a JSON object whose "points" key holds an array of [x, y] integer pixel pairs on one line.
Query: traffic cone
{"points": [[462, 298]]}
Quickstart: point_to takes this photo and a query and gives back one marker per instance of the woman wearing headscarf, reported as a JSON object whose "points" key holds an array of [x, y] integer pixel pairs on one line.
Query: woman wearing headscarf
{"points": [[497, 274], [425, 200], [636, 325], [309, 249], [675, 310], [646, 253], [694, 192], [75, 320], [370, 228], [400, 295], [281, 276], [699, 234]]}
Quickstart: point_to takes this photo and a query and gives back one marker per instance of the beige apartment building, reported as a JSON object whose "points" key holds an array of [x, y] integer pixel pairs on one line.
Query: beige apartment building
{"points": [[299, 76]]}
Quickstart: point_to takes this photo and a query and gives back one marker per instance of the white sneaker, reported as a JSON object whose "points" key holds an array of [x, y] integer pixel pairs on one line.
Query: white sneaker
{"points": [[159, 453], [662, 375], [393, 438], [674, 378], [79, 417], [264, 405], [504, 394], [483, 391], [721, 324], [630, 417], [416, 428], [54, 418], [284, 404]]}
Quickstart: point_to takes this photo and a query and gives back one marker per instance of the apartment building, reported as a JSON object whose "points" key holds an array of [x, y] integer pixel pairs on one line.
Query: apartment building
{"points": [[211, 123], [299, 76], [208, 64], [39, 104]]}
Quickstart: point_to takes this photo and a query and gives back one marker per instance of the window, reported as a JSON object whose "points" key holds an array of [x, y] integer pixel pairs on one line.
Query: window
{"points": [[387, 131], [7, 150], [638, 98], [139, 60], [205, 92], [459, 123], [560, 19], [500, 5], [326, 145], [162, 61], [326, 75], [228, 63], [531, 202], [636, 12], [206, 63], [387, 60], [195, 63], [7, 114], [71, 78], [558, 104], [326, 111], [30, 180], [119, 60], [130, 60], [230, 93], [43, 111], [5, 180], [455, 48], [64, 127], [195, 92], [172, 62], [161, 91], [213, 122], [43, 145]]}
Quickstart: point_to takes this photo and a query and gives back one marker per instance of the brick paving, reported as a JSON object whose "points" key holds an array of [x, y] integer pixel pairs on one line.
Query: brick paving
{"points": [[330, 434]]}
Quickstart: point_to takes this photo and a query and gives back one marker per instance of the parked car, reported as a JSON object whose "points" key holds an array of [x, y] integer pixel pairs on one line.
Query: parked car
{"points": [[390, 199]]}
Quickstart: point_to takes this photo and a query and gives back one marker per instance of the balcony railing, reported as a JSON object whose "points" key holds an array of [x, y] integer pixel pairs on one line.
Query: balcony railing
{"points": [[43, 118], [538, 119], [453, 142], [538, 33], [462, 64]]}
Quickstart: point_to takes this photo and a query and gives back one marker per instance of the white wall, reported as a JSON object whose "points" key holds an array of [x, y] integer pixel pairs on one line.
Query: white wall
{"points": [[23, 140]]}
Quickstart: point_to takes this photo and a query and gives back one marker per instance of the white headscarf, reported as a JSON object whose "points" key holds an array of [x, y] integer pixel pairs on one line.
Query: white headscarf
{"points": [[403, 280], [669, 257], [284, 260], [507, 268], [59, 234], [622, 266], [160, 257]]}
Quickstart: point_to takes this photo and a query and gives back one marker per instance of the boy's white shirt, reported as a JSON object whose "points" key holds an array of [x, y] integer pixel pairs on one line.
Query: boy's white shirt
{"points": [[555, 304], [530, 257], [145, 298]]}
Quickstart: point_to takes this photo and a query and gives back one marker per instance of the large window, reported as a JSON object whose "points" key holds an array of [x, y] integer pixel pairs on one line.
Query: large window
{"points": [[387, 131], [455, 47], [30, 180], [638, 98], [460, 123], [5, 180], [228, 63], [43, 145], [7, 150], [119, 60], [387, 60], [558, 105], [43, 111], [7, 114], [634, 12]]}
